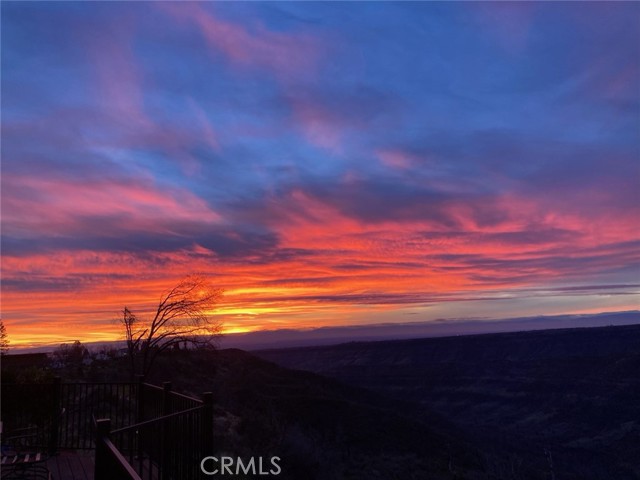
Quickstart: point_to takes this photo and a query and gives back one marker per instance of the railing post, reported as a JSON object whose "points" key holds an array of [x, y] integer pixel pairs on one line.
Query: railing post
{"points": [[56, 391], [207, 424], [101, 471]]}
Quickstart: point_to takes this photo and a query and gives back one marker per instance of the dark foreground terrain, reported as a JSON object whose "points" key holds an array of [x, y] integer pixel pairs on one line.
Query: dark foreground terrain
{"points": [[319, 427], [561, 404], [555, 404]]}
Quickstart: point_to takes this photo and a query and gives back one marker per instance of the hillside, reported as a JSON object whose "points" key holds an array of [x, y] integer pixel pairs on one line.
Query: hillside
{"points": [[561, 401], [321, 428]]}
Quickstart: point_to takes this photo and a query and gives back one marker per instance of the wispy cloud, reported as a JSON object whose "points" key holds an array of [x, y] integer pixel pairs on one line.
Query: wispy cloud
{"points": [[281, 54]]}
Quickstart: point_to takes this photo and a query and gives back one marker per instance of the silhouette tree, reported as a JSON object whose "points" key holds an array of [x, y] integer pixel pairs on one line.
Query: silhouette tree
{"points": [[71, 358], [4, 340], [182, 317]]}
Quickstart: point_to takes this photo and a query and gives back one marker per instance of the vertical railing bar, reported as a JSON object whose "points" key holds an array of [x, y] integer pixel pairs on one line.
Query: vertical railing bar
{"points": [[91, 396], [79, 432], [72, 412], [130, 446], [65, 419], [83, 403], [64, 404], [109, 400], [139, 450], [127, 396], [114, 399], [74, 407], [131, 394], [53, 434], [84, 398], [80, 396], [69, 415], [121, 403], [78, 427], [114, 402]]}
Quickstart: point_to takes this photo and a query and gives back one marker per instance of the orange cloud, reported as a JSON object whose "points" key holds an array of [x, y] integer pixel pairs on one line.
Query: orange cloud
{"points": [[328, 267]]}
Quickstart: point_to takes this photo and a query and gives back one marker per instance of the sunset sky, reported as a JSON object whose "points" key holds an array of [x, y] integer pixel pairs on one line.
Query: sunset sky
{"points": [[324, 163]]}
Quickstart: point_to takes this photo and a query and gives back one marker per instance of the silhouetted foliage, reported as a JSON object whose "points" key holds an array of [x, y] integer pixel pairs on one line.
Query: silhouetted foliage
{"points": [[4, 340], [181, 318], [72, 358]]}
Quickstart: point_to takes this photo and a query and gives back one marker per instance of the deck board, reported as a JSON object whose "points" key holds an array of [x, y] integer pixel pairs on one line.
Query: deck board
{"points": [[72, 465]]}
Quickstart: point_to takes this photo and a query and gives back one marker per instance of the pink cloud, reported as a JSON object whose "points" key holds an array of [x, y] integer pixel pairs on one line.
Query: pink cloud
{"points": [[318, 125], [206, 128], [37, 205], [396, 159], [119, 80], [121, 85], [284, 55]]}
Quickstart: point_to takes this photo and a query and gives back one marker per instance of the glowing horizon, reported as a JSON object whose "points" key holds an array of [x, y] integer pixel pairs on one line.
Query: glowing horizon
{"points": [[325, 164]]}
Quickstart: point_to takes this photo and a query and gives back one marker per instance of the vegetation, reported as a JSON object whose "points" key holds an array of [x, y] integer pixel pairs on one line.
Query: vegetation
{"points": [[560, 403], [182, 318], [4, 339], [71, 359], [320, 428]]}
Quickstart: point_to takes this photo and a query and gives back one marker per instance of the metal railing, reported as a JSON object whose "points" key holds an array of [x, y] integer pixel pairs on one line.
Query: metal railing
{"points": [[152, 431], [167, 447], [84, 401], [32, 406], [61, 413], [113, 465]]}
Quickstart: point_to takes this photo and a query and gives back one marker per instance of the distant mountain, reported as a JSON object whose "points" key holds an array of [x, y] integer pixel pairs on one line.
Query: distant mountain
{"points": [[284, 338], [435, 328], [565, 402]]}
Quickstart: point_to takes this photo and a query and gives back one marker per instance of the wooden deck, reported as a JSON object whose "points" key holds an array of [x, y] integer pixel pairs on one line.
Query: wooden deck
{"points": [[72, 465]]}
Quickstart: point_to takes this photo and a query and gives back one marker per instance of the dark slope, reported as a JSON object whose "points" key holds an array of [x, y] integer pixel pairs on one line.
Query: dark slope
{"points": [[319, 427], [573, 393]]}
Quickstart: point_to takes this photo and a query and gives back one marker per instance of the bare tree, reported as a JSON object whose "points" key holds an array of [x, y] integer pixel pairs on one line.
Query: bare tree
{"points": [[4, 340], [182, 317], [72, 358]]}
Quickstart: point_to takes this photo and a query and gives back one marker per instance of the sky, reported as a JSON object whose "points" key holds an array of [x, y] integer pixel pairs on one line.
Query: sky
{"points": [[325, 163]]}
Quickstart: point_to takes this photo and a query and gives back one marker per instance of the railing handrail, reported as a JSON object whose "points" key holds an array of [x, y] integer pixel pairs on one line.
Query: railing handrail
{"points": [[151, 385], [98, 383], [126, 466], [105, 449], [187, 397], [154, 420], [74, 383]]}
